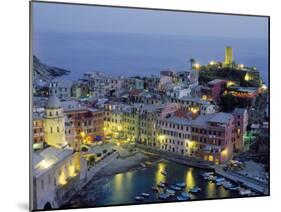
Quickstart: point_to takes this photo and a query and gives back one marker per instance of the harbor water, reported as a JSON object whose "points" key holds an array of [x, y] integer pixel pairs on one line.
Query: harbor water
{"points": [[122, 188]]}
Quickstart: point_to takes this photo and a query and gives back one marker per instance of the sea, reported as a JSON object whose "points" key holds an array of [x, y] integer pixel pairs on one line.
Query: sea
{"points": [[129, 54]]}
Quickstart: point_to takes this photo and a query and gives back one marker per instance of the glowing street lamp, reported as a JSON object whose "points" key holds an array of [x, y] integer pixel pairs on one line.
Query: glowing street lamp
{"points": [[196, 66]]}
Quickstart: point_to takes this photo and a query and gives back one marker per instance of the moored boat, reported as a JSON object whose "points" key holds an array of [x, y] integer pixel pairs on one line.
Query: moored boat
{"points": [[139, 198], [227, 184], [181, 184], [244, 192], [145, 194], [163, 196], [195, 189], [170, 192], [161, 185], [176, 188], [154, 188], [185, 195]]}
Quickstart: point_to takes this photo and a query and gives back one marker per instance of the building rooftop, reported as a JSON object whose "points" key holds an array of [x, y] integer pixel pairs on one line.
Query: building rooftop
{"points": [[48, 158], [202, 120], [221, 117], [215, 81], [53, 102]]}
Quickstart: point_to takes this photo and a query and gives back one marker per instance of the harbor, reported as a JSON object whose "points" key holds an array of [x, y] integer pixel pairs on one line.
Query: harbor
{"points": [[165, 181]]}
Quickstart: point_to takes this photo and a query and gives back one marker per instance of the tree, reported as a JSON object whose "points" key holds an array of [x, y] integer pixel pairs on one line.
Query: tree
{"points": [[192, 61], [92, 159], [84, 149]]}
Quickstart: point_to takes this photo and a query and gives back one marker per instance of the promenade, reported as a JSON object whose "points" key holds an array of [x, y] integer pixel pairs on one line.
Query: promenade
{"points": [[251, 183]]}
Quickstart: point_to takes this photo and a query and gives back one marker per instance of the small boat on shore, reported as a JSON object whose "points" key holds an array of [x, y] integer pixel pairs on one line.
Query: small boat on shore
{"points": [[145, 194], [181, 184], [139, 198], [195, 189]]}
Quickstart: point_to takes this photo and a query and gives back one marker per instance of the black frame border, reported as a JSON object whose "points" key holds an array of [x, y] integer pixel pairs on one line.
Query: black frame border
{"points": [[137, 8]]}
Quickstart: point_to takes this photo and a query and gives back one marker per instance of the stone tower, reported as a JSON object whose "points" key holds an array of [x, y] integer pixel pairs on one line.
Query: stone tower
{"points": [[54, 129], [228, 56]]}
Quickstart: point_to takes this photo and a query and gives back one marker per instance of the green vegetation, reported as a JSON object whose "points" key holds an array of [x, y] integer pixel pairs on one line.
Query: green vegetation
{"points": [[211, 72], [92, 160], [228, 103], [84, 149]]}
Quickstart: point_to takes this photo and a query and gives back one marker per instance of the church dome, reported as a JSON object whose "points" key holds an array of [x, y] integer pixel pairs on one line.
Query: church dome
{"points": [[53, 102]]}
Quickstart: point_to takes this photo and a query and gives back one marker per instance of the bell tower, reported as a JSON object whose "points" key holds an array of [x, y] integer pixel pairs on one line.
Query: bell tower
{"points": [[54, 128]]}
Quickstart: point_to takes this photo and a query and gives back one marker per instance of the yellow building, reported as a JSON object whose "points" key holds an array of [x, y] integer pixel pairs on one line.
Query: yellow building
{"points": [[54, 129]]}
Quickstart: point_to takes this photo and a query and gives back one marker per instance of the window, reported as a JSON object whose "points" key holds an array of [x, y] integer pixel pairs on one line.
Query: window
{"points": [[51, 129], [58, 129]]}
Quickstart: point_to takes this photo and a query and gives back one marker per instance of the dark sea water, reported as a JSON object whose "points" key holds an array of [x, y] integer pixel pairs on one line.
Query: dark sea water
{"points": [[124, 187], [142, 54]]}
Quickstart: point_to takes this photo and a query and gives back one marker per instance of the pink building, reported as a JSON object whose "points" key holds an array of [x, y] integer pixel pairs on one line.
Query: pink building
{"points": [[214, 89], [213, 137], [241, 123], [208, 137]]}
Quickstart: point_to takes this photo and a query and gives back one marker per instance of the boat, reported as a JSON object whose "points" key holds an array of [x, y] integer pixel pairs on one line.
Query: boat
{"points": [[227, 184], [176, 188], [195, 189], [139, 198], [161, 185], [171, 192], [185, 195], [148, 163], [219, 180], [219, 183], [154, 188], [181, 184], [164, 173], [244, 192], [142, 165], [207, 174], [234, 188], [181, 198], [163, 195], [145, 194]]}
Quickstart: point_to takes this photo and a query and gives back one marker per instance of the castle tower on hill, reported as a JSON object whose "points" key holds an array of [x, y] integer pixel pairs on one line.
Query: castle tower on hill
{"points": [[54, 128], [228, 56]]}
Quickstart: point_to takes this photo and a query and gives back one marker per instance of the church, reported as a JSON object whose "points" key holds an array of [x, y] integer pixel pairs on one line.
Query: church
{"points": [[58, 169]]}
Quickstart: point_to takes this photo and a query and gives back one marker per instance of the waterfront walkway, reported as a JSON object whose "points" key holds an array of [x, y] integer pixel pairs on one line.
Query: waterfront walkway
{"points": [[241, 179]]}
